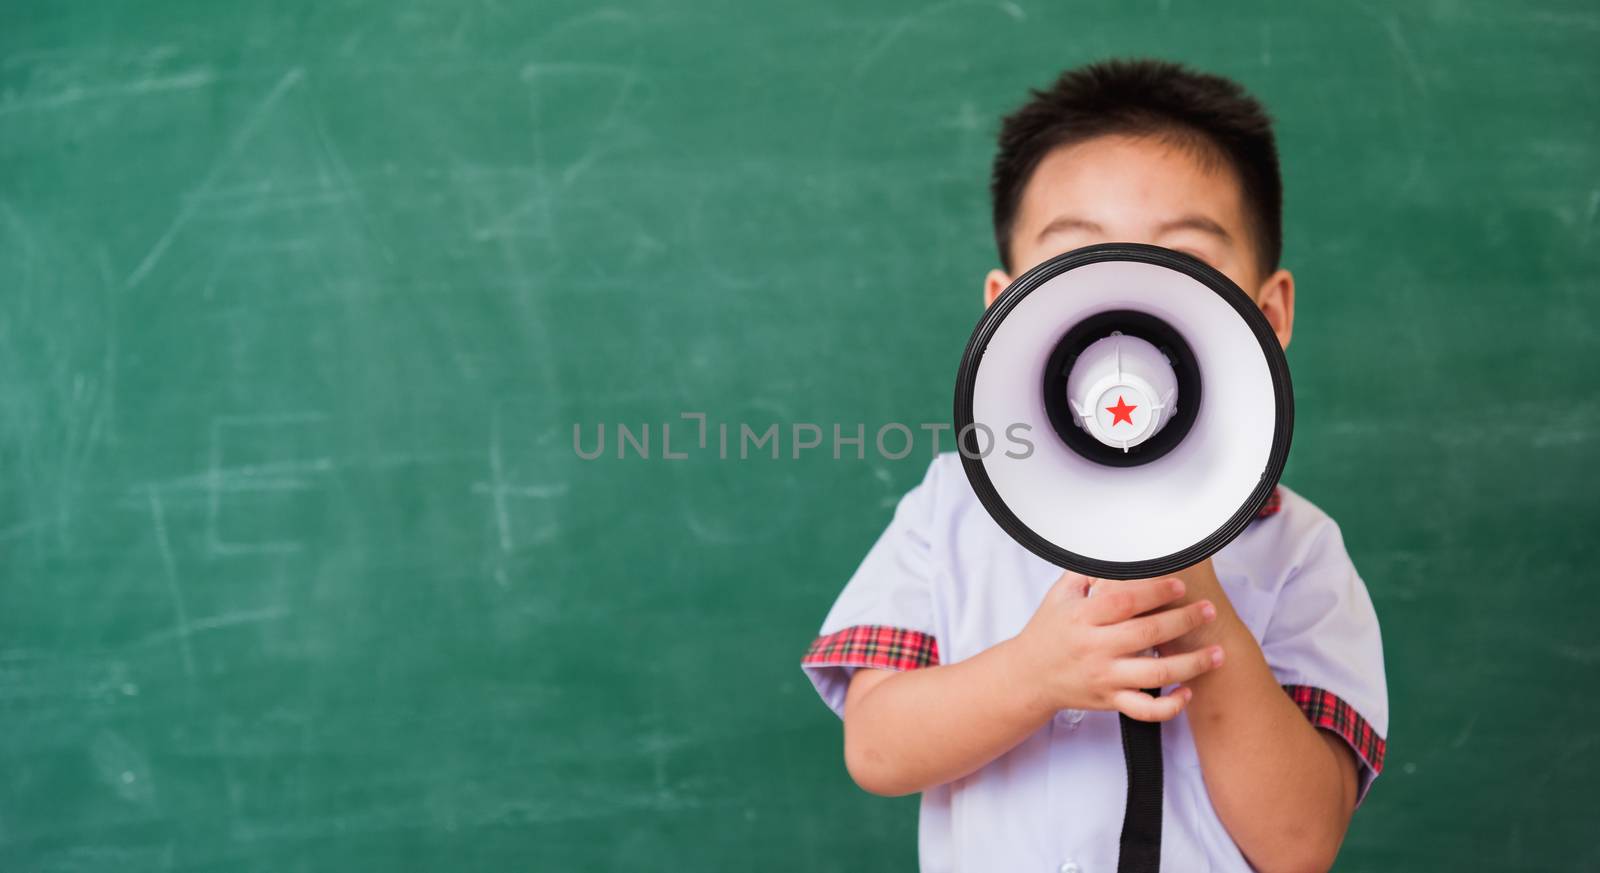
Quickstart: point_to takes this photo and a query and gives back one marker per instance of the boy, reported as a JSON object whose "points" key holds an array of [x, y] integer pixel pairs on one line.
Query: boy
{"points": [[970, 670]]}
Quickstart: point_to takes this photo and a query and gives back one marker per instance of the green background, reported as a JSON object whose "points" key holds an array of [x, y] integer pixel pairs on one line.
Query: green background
{"points": [[301, 302]]}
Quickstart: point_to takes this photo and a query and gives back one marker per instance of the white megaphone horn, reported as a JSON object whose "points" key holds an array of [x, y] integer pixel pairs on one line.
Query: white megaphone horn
{"points": [[1157, 398]]}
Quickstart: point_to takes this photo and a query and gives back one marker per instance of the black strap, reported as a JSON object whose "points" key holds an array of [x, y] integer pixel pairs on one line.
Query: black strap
{"points": [[1140, 847]]}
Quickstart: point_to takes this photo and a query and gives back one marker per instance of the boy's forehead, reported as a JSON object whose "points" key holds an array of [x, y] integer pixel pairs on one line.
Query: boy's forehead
{"points": [[1129, 185]]}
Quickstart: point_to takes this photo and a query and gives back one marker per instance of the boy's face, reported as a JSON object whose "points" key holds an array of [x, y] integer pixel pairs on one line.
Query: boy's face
{"points": [[1145, 190]]}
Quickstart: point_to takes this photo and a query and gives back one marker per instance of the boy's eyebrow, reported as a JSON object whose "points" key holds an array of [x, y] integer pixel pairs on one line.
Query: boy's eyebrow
{"points": [[1187, 222], [1069, 222], [1194, 222]]}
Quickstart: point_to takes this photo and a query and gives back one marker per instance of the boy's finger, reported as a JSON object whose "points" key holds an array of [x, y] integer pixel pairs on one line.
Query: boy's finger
{"points": [[1072, 586], [1139, 705], [1146, 631], [1119, 602], [1161, 672]]}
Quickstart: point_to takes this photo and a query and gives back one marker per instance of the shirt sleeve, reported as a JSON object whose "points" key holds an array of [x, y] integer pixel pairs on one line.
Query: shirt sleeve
{"points": [[1324, 647], [884, 616]]}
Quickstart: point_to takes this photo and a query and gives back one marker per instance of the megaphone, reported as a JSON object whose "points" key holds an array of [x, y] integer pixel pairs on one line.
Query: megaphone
{"points": [[1156, 404]]}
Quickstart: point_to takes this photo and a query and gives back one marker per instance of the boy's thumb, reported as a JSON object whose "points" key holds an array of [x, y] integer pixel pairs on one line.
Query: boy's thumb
{"points": [[1073, 586]]}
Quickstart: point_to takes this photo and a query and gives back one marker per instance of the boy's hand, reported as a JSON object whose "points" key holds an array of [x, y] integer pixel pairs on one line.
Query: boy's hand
{"points": [[1082, 652]]}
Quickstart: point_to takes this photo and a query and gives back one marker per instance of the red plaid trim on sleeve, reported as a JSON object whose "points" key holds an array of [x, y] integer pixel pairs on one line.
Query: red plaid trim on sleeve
{"points": [[873, 645], [1328, 711], [1273, 504]]}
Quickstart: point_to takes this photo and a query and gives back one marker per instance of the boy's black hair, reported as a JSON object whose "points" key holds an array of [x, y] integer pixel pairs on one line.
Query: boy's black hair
{"points": [[1144, 98]]}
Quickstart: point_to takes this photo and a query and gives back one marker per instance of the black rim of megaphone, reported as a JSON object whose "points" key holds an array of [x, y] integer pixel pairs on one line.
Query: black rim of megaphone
{"points": [[1027, 283]]}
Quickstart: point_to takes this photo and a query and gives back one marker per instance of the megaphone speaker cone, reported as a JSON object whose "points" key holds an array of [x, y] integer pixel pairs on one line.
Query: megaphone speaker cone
{"points": [[1158, 403]]}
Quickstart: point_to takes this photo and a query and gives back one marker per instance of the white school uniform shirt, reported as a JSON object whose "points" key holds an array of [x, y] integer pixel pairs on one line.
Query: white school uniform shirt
{"points": [[944, 583]]}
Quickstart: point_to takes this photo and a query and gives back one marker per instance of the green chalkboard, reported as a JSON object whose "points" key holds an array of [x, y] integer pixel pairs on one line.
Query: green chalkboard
{"points": [[302, 300]]}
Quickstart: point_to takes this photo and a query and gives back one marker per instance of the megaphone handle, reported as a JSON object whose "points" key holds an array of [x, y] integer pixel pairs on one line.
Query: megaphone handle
{"points": [[1139, 850]]}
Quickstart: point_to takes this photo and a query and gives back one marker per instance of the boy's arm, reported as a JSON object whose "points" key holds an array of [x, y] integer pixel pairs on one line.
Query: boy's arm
{"points": [[905, 732], [1284, 789]]}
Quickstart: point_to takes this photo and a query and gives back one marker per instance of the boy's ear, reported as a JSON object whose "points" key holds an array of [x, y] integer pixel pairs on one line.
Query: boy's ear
{"points": [[1276, 299], [993, 284]]}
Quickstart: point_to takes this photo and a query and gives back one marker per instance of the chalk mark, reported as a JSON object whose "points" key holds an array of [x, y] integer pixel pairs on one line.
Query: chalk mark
{"points": [[158, 519], [186, 211], [216, 622], [498, 489], [188, 80], [269, 477]]}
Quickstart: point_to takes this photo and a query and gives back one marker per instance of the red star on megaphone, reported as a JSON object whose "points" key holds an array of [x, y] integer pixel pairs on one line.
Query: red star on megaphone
{"points": [[1121, 412]]}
